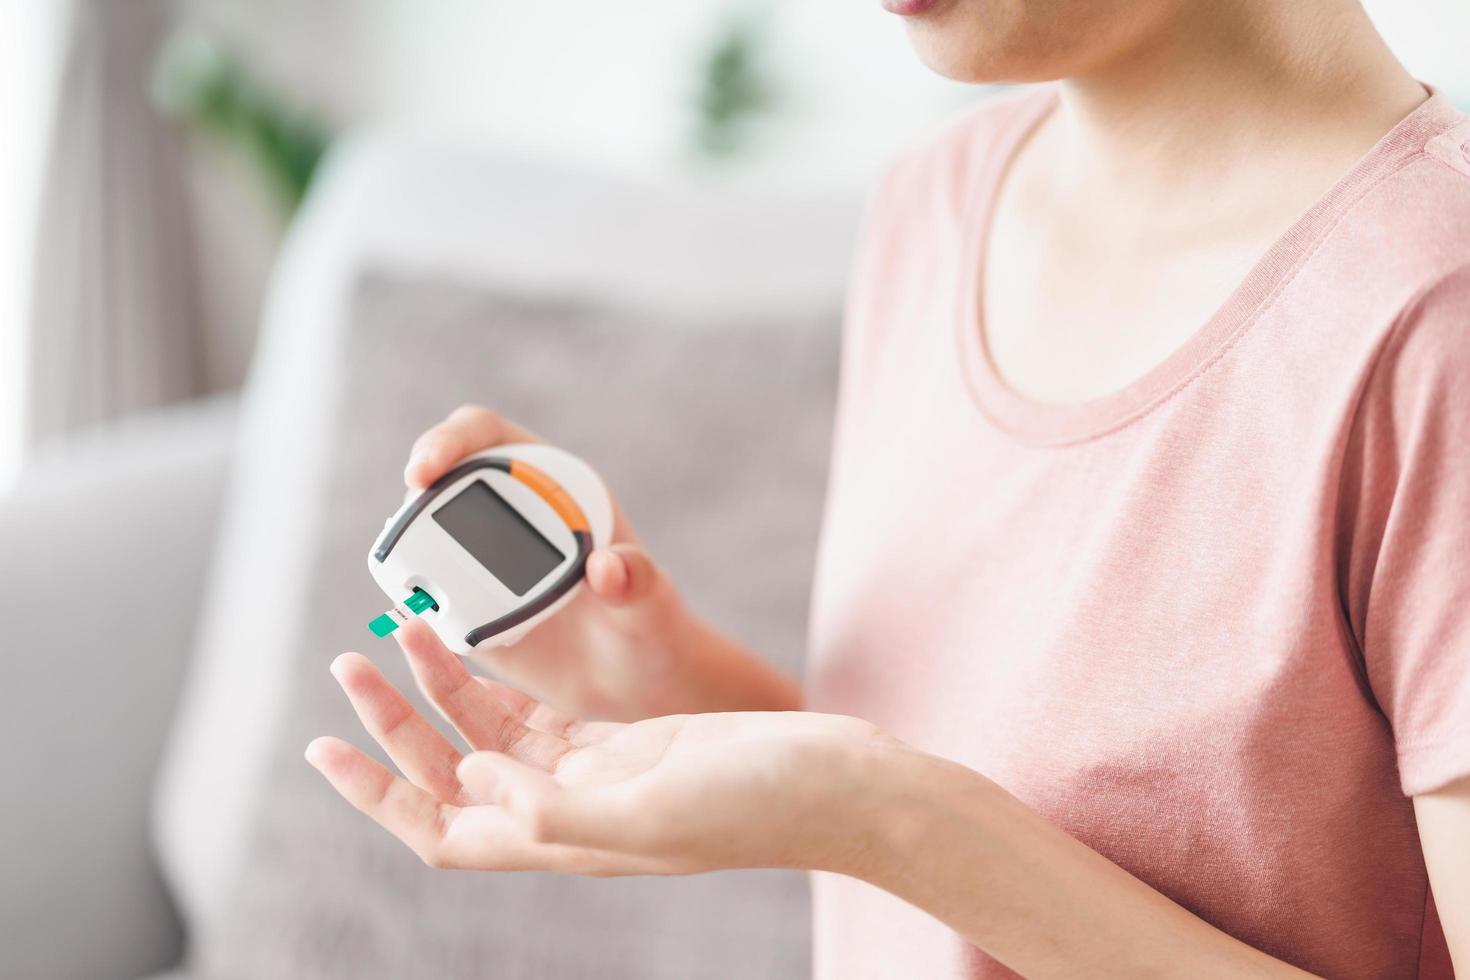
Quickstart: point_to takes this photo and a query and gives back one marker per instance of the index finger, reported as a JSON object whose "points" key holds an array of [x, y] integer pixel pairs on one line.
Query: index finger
{"points": [[468, 429], [485, 721]]}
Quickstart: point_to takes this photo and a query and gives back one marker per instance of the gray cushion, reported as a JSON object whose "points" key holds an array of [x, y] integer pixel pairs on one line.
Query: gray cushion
{"points": [[106, 540], [715, 438]]}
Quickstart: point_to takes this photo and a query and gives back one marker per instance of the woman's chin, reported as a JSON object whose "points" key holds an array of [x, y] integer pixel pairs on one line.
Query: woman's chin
{"points": [[987, 41], [951, 52]]}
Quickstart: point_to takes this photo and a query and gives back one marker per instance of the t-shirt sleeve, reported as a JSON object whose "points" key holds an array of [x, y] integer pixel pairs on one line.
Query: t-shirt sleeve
{"points": [[1407, 580]]}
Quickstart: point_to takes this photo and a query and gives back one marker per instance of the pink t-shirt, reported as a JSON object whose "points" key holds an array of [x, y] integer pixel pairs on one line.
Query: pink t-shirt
{"points": [[1215, 625]]}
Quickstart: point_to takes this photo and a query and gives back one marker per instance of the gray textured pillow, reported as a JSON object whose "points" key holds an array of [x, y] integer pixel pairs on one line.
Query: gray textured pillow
{"points": [[715, 438]]}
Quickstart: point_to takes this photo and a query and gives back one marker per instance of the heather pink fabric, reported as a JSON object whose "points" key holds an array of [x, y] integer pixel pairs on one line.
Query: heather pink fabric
{"points": [[1215, 625]]}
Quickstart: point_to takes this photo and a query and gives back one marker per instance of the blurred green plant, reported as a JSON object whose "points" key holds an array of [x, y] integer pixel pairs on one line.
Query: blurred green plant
{"points": [[210, 91], [733, 87]]}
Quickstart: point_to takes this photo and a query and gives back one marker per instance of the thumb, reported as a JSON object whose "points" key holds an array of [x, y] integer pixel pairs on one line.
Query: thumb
{"points": [[491, 777], [624, 574], [597, 817]]}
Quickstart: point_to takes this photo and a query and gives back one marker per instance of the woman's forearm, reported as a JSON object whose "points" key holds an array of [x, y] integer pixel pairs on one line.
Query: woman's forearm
{"points": [[955, 844]]}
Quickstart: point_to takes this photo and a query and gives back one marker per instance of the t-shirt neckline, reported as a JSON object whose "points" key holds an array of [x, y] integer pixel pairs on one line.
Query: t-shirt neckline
{"points": [[1058, 424]]}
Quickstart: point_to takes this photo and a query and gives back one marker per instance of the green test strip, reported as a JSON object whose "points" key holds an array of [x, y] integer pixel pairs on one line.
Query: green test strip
{"points": [[398, 615]]}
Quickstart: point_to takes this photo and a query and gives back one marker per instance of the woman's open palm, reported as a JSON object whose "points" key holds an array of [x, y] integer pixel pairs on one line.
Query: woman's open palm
{"points": [[669, 795]]}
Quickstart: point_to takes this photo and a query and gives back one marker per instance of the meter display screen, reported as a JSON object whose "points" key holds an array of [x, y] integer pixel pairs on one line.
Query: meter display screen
{"points": [[498, 537]]}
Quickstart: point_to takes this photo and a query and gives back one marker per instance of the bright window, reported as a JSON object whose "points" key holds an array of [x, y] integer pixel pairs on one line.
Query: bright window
{"points": [[30, 46]]}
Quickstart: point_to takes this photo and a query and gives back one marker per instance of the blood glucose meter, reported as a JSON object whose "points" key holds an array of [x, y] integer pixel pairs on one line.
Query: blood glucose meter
{"points": [[493, 547]]}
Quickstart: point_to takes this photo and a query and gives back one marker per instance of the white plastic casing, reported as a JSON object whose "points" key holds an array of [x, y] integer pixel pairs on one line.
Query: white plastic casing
{"points": [[468, 595]]}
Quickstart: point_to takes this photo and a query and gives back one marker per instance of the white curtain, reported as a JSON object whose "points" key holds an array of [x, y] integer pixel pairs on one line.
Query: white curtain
{"points": [[113, 318]]}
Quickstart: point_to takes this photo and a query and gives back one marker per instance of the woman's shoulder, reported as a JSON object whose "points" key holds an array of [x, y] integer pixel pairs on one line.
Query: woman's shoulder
{"points": [[1398, 236], [1418, 206]]}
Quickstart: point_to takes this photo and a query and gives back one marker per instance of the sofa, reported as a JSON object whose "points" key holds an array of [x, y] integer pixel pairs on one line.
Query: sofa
{"points": [[176, 584]]}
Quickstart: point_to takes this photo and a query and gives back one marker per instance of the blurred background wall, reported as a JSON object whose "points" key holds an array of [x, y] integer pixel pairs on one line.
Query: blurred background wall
{"points": [[587, 85], [820, 93]]}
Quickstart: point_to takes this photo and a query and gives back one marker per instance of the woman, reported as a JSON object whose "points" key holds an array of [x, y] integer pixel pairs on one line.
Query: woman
{"points": [[1143, 607]]}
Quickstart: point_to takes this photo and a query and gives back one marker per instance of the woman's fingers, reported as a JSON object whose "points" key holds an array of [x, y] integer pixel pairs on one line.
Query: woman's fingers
{"points": [[603, 818], [487, 838], [544, 718], [476, 709], [468, 429], [532, 713], [400, 807], [415, 746], [623, 574]]}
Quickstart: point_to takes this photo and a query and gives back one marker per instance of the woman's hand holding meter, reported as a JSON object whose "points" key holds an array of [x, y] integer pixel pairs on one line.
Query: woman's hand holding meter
{"points": [[626, 647]]}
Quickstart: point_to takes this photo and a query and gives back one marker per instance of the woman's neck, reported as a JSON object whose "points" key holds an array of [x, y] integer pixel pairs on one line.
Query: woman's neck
{"points": [[1243, 78]]}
